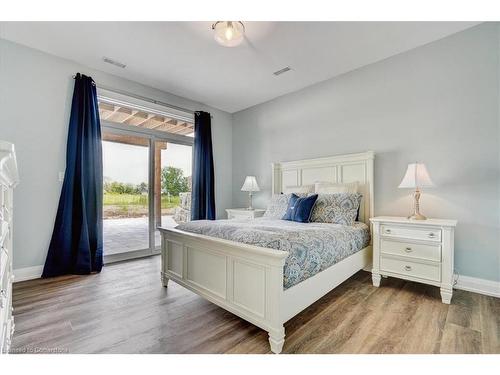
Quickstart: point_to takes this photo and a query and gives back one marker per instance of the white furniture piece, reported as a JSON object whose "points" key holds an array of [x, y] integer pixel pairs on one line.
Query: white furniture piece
{"points": [[248, 280], [182, 212], [9, 178], [419, 251], [244, 213], [250, 185]]}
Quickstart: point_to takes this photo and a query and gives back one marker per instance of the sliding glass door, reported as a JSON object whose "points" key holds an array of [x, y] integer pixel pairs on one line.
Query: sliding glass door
{"points": [[147, 161], [172, 192], [126, 193]]}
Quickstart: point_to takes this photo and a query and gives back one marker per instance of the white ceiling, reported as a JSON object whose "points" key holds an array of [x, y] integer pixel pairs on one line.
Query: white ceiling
{"points": [[184, 59]]}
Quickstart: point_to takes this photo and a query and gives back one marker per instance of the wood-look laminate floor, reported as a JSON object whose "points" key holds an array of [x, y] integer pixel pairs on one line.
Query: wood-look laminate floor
{"points": [[124, 309]]}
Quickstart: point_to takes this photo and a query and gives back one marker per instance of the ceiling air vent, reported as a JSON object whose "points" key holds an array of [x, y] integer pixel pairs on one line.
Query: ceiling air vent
{"points": [[281, 71], [113, 62]]}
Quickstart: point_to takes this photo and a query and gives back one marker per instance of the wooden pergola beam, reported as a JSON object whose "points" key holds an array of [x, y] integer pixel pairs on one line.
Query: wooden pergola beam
{"points": [[132, 115], [182, 128], [126, 139], [129, 116], [139, 119], [111, 113]]}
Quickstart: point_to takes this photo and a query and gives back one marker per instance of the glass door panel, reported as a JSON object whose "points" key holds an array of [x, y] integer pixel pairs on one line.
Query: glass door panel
{"points": [[172, 185], [126, 193]]}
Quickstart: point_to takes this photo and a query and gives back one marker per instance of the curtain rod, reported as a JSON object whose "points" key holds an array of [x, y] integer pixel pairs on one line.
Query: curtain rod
{"points": [[140, 97], [154, 101]]}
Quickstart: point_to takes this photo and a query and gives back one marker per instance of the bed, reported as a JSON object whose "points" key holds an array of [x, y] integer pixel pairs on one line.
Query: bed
{"points": [[256, 278]]}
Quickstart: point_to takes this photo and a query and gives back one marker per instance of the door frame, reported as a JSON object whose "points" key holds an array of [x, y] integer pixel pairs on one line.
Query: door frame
{"points": [[152, 136]]}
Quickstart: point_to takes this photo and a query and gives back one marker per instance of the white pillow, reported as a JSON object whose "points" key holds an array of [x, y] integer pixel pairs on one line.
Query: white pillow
{"points": [[332, 188], [304, 189]]}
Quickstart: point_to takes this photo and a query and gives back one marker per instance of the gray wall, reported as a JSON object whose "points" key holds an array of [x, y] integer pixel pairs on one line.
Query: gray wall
{"points": [[438, 104], [35, 100]]}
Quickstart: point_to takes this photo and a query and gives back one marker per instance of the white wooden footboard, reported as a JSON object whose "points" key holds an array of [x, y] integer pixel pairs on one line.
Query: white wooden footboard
{"points": [[248, 280], [243, 279]]}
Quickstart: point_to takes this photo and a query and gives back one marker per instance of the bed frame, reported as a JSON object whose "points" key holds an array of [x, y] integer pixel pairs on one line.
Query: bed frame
{"points": [[248, 280]]}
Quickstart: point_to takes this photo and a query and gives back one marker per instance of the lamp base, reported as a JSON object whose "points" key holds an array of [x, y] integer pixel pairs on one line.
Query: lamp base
{"points": [[417, 216], [250, 207]]}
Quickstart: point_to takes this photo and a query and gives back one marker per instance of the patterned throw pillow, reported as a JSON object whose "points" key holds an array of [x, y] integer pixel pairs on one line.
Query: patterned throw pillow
{"points": [[341, 208], [277, 207]]}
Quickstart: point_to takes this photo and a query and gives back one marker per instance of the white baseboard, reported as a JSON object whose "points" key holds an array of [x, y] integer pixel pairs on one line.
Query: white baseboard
{"points": [[28, 273], [481, 286], [35, 272]]}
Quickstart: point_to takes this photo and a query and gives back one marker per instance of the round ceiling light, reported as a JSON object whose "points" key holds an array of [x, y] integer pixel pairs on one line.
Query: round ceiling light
{"points": [[228, 33]]}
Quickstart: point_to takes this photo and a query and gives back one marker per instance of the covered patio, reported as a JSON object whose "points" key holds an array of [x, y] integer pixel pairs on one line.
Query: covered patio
{"points": [[130, 234]]}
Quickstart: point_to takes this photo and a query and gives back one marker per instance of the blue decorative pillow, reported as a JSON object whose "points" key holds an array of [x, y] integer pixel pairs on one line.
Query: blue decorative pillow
{"points": [[300, 209]]}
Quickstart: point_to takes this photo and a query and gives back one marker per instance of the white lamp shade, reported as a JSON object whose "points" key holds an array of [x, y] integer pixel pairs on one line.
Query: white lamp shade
{"points": [[250, 184], [416, 176]]}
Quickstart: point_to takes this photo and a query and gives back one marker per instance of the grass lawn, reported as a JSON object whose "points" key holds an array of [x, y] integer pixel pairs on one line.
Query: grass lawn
{"points": [[118, 206], [113, 199]]}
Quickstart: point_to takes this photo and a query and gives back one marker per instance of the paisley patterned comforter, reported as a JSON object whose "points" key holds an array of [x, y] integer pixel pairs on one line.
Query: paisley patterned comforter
{"points": [[312, 247]]}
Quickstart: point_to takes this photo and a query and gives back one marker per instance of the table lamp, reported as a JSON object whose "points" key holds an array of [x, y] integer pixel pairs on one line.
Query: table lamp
{"points": [[250, 185], [416, 177]]}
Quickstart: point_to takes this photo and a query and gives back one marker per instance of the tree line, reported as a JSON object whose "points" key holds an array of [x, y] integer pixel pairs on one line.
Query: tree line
{"points": [[173, 182]]}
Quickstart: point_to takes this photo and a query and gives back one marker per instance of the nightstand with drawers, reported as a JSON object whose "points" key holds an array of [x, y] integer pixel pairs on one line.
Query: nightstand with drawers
{"points": [[416, 250], [243, 213]]}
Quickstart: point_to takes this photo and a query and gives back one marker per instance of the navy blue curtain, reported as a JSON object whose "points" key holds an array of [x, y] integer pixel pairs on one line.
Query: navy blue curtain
{"points": [[76, 244], [203, 194]]}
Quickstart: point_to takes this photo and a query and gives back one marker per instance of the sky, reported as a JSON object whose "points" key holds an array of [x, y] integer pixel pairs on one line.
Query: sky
{"points": [[129, 164]]}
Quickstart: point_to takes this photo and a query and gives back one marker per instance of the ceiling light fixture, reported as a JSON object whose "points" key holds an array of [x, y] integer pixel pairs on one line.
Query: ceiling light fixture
{"points": [[229, 33]]}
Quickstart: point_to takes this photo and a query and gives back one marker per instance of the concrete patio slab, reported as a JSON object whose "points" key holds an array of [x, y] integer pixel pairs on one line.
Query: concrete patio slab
{"points": [[130, 234]]}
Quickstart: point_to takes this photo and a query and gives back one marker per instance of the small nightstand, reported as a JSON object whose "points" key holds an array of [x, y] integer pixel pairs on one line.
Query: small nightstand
{"points": [[243, 213], [416, 250]]}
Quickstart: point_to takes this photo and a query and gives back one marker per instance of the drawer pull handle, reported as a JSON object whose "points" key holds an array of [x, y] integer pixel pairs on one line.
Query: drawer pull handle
{"points": [[408, 249], [387, 231], [432, 235], [408, 268]]}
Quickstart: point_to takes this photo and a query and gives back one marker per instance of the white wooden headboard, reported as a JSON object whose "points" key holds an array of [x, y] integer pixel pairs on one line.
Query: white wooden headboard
{"points": [[337, 169]]}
